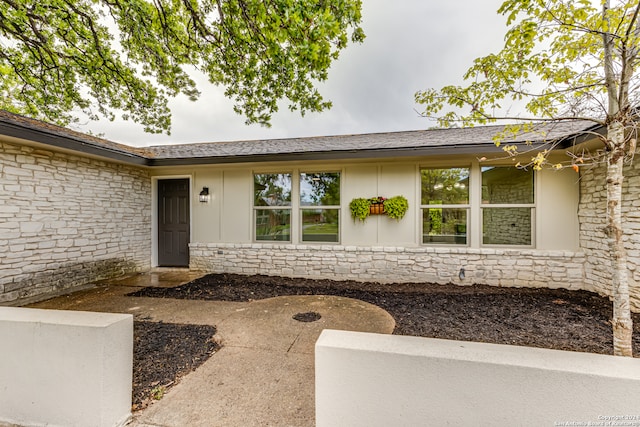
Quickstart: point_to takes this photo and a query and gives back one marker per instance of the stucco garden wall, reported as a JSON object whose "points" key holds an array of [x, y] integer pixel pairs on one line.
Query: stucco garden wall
{"points": [[497, 267], [67, 220], [592, 215]]}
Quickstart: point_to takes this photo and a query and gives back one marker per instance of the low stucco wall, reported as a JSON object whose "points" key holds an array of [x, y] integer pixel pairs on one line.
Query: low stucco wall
{"points": [[65, 368], [67, 220], [497, 267], [365, 379]]}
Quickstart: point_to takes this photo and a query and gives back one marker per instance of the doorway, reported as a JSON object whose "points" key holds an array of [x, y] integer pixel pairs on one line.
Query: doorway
{"points": [[174, 225]]}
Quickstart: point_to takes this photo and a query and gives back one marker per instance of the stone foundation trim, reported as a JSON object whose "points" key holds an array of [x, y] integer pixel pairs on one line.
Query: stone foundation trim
{"points": [[23, 287], [496, 267]]}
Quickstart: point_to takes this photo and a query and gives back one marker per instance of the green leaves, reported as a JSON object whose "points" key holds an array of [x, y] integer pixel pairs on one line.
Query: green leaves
{"points": [[553, 60], [105, 57]]}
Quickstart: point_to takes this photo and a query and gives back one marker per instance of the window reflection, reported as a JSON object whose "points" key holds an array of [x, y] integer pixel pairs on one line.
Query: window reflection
{"points": [[322, 191], [272, 189], [441, 188], [445, 186]]}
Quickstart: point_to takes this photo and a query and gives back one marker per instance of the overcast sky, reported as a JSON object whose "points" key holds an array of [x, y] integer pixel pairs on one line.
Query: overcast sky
{"points": [[410, 45]]}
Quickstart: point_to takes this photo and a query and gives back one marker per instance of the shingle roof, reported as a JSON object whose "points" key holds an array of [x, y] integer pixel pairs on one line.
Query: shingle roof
{"points": [[419, 142], [38, 131]]}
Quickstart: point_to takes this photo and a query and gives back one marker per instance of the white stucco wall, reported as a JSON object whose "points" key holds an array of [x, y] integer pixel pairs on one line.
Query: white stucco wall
{"points": [[67, 220], [65, 368], [372, 380]]}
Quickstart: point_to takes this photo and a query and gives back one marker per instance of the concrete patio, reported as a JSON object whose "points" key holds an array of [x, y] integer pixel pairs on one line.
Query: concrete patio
{"points": [[264, 373]]}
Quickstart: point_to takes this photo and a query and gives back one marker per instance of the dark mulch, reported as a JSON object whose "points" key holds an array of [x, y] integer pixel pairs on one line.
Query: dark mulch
{"points": [[551, 318], [163, 353]]}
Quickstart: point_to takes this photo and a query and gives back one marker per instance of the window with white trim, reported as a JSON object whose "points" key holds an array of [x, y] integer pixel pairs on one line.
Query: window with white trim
{"points": [[508, 206], [320, 207], [445, 205], [272, 206]]}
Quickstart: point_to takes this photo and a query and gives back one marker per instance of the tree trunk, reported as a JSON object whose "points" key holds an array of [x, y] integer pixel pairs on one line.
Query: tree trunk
{"points": [[622, 323]]}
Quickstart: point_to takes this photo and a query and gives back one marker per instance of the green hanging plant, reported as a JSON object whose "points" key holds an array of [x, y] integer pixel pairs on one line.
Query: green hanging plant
{"points": [[359, 208], [396, 207]]}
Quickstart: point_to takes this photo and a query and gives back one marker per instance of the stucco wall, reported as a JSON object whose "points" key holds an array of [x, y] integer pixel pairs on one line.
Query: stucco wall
{"points": [[376, 380], [67, 220], [592, 215]]}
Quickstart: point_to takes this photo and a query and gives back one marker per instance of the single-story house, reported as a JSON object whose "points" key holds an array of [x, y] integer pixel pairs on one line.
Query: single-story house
{"points": [[75, 208]]}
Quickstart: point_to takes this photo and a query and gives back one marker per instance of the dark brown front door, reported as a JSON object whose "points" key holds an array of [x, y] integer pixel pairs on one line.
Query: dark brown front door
{"points": [[173, 223]]}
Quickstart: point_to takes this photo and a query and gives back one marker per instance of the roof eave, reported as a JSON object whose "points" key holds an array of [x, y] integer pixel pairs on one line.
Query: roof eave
{"points": [[69, 143], [469, 149]]}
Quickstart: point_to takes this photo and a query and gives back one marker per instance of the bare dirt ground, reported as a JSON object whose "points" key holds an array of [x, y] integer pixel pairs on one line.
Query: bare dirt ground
{"points": [[550, 318]]}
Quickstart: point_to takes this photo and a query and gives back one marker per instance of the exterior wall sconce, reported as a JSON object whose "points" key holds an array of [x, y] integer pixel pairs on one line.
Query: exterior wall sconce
{"points": [[204, 195]]}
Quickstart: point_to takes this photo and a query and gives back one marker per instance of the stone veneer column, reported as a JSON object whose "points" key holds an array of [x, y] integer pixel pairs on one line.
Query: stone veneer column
{"points": [[593, 241]]}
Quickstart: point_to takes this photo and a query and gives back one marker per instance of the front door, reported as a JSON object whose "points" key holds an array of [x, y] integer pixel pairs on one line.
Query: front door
{"points": [[173, 223]]}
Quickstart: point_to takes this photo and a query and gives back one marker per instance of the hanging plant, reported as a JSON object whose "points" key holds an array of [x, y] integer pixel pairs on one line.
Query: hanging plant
{"points": [[396, 207], [359, 208]]}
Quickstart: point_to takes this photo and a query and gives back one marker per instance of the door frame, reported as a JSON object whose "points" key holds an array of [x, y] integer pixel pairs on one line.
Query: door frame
{"points": [[154, 212]]}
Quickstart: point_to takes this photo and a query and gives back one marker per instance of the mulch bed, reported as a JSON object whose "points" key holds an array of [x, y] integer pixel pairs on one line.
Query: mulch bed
{"points": [[165, 352], [550, 318]]}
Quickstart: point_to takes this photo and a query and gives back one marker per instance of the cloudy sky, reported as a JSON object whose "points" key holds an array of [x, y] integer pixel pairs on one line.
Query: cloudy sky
{"points": [[410, 45]]}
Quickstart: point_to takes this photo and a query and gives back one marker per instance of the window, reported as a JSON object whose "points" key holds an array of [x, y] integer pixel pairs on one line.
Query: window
{"points": [[445, 205], [272, 206], [320, 207], [507, 206]]}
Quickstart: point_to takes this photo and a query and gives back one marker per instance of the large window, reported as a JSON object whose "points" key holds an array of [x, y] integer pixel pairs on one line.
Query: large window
{"points": [[507, 206], [445, 205], [272, 206], [320, 207], [503, 207]]}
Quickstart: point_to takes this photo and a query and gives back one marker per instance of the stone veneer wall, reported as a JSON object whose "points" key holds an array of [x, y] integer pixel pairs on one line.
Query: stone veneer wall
{"points": [[592, 216], [497, 267], [67, 220]]}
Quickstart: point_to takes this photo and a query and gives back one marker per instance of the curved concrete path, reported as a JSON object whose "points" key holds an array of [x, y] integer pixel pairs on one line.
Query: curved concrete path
{"points": [[264, 373]]}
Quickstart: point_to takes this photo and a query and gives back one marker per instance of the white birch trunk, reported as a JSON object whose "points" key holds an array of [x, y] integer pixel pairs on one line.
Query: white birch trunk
{"points": [[622, 323]]}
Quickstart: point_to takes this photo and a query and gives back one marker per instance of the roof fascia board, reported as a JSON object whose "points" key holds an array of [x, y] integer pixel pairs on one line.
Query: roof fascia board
{"points": [[476, 149], [68, 143], [583, 136]]}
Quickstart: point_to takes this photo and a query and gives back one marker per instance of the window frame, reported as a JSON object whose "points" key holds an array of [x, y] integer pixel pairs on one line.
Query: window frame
{"points": [[275, 207], [531, 206], [301, 208], [475, 206], [460, 206]]}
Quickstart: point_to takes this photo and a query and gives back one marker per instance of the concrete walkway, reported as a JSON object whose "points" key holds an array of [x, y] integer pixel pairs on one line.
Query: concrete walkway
{"points": [[264, 373]]}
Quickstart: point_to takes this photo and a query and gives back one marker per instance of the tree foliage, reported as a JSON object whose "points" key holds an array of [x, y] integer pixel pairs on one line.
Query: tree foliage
{"points": [[553, 61], [562, 60], [60, 57]]}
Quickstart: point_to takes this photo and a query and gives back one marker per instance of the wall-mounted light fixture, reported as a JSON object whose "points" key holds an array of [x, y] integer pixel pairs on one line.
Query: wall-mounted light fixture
{"points": [[204, 195], [461, 274]]}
